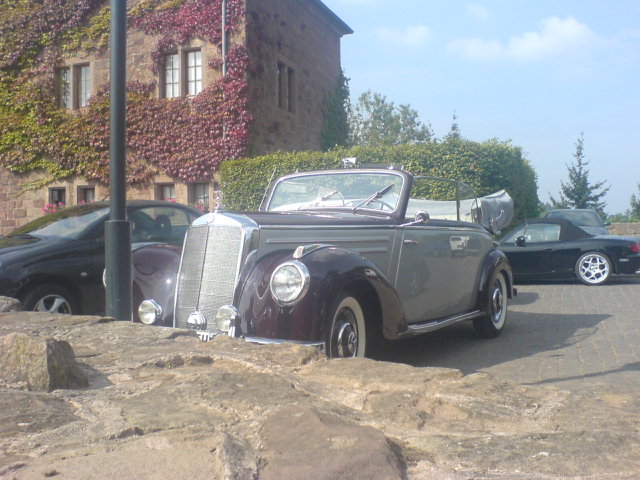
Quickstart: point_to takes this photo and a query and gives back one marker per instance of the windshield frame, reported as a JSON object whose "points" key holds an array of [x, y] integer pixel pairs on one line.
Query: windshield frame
{"points": [[393, 174]]}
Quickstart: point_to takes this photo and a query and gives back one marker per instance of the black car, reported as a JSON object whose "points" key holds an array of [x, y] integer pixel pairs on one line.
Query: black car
{"points": [[546, 248], [55, 263]]}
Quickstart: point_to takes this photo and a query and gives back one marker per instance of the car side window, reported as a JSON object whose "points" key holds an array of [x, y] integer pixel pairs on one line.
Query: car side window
{"points": [[542, 233], [159, 224]]}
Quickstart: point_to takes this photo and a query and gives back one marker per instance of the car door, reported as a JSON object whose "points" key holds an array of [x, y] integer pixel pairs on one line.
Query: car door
{"points": [[438, 269], [538, 254]]}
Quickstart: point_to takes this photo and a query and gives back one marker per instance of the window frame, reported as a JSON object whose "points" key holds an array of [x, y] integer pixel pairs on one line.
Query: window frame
{"points": [[82, 75]]}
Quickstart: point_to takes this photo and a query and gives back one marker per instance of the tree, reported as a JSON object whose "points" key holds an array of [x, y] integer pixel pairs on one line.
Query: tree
{"points": [[578, 192], [376, 121], [454, 131], [635, 205], [336, 106]]}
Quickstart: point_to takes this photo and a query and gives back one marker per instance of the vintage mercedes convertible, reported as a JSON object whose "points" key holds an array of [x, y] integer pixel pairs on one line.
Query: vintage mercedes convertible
{"points": [[341, 259]]}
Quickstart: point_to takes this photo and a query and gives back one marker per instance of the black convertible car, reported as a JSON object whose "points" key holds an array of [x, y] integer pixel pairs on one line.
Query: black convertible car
{"points": [[545, 248], [55, 263]]}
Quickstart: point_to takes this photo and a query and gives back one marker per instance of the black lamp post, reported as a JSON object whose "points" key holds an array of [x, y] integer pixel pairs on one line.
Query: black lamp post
{"points": [[118, 228]]}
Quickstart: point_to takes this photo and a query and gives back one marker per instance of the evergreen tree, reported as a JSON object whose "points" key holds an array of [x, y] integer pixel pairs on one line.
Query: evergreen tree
{"points": [[454, 132], [635, 205], [335, 131], [578, 192], [376, 121]]}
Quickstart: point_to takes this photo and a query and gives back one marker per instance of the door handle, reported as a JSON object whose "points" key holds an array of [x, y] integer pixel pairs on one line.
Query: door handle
{"points": [[410, 242], [549, 249]]}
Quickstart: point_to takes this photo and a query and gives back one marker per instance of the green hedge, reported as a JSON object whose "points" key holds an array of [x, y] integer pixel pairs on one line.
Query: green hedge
{"points": [[487, 167]]}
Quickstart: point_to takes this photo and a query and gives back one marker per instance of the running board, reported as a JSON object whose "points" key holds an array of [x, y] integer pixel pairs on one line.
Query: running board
{"points": [[425, 327]]}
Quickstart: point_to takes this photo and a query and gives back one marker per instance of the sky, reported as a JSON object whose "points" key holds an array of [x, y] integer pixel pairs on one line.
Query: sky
{"points": [[537, 73]]}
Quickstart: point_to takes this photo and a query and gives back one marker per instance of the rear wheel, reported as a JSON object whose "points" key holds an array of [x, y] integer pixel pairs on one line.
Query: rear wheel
{"points": [[348, 334], [593, 268], [50, 298], [492, 324]]}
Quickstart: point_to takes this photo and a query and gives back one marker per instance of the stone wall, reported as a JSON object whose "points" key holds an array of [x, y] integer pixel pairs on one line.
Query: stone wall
{"points": [[304, 40], [629, 229]]}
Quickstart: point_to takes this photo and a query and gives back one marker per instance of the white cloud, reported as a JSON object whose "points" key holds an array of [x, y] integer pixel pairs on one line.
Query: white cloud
{"points": [[556, 37], [414, 36], [477, 12]]}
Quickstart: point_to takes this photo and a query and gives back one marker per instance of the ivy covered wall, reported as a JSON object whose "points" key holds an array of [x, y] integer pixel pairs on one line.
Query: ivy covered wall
{"points": [[183, 138]]}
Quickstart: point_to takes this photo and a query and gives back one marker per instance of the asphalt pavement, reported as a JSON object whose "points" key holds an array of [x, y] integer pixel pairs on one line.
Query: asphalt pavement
{"points": [[567, 335]]}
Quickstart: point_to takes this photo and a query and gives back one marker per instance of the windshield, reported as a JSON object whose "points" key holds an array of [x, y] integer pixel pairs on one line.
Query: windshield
{"points": [[66, 223], [349, 190]]}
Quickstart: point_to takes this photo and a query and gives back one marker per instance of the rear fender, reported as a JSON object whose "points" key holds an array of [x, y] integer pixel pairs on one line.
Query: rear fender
{"points": [[496, 260]]}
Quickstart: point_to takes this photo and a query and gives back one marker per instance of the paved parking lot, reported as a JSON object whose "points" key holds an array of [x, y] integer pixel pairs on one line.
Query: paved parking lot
{"points": [[560, 334]]}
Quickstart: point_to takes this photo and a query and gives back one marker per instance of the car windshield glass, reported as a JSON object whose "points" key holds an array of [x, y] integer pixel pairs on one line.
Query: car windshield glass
{"points": [[66, 223], [367, 191]]}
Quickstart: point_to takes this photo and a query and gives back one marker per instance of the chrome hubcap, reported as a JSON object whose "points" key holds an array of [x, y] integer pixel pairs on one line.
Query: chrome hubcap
{"points": [[53, 304], [594, 268], [497, 302], [346, 339]]}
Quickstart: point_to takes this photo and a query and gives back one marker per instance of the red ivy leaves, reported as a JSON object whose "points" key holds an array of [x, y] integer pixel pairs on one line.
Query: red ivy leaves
{"points": [[184, 138]]}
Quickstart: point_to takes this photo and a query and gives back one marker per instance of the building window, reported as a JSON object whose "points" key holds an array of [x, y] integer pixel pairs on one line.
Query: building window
{"points": [[86, 194], [83, 85], [182, 74], [286, 87], [172, 76], [57, 196], [194, 72], [166, 192], [64, 87], [199, 196]]}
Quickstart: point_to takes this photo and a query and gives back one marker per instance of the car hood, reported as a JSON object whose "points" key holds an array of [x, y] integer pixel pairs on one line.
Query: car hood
{"points": [[10, 246]]}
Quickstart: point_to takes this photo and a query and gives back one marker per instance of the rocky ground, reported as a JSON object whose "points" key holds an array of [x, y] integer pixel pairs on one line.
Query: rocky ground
{"points": [[142, 402]]}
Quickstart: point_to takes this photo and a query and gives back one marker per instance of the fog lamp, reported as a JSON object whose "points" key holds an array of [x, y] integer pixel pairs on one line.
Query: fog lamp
{"points": [[226, 317], [149, 312]]}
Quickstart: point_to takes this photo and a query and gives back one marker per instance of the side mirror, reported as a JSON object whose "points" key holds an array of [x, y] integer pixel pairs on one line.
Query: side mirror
{"points": [[422, 217], [521, 241]]}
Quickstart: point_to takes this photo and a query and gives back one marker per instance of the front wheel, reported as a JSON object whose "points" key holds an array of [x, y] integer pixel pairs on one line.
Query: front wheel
{"points": [[348, 335], [593, 268], [492, 324], [50, 298]]}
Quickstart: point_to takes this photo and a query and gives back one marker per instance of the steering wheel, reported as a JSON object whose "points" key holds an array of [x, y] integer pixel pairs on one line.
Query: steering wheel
{"points": [[383, 205]]}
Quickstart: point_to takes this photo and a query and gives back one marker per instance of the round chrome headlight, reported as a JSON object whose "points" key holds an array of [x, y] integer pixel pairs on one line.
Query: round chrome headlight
{"points": [[149, 312], [289, 282]]}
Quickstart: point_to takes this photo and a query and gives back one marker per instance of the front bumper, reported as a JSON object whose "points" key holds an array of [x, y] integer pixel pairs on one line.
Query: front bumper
{"points": [[206, 336]]}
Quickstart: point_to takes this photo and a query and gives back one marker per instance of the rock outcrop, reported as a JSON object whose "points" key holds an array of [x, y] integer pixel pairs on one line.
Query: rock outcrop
{"points": [[161, 404]]}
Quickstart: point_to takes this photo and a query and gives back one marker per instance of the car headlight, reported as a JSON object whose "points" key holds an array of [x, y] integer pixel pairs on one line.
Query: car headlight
{"points": [[289, 282], [149, 312]]}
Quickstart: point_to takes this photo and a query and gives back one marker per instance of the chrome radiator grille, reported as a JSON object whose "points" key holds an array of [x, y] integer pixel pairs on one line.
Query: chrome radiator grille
{"points": [[209, 271]]}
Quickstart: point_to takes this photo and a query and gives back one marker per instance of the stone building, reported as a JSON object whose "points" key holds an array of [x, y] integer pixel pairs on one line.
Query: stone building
{"points": [[293, 49]]}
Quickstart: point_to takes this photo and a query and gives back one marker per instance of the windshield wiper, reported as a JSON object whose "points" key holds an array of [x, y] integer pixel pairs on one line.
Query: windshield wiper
{"points": [[380, 193]]}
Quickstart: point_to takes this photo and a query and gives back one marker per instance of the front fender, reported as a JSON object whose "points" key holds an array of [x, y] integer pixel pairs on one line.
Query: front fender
{"points": [[333, 272]]}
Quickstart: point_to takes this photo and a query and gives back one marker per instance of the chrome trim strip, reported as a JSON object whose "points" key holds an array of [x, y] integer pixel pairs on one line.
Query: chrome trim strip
{"points": [[330, 241], [435, 325], [277, 341]]}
